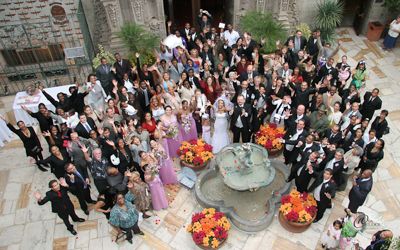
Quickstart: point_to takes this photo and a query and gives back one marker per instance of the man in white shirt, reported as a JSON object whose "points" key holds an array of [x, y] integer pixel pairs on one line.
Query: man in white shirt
{"points": [[231, 35]]}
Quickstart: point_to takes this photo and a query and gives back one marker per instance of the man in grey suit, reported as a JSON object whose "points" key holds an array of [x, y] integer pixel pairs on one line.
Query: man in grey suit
{"points": [[175, 70], [285, 72], [105, 74]]}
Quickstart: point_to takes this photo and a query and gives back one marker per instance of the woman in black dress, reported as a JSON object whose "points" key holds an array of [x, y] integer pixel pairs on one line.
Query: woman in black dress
{"points": [[373, 153], [54, 138], [105, 202], [57, 161], [31, 142], [355, 139], [125, 156]]}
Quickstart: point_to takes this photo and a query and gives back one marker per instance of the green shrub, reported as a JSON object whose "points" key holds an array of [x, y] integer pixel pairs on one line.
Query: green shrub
{"points": [[305, 29], [102, 53], [329, 16], [263, 26]]}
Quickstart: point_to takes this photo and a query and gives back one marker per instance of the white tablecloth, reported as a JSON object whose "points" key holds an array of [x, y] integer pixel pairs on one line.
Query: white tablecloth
{"points": [[5, 133], [21, 115]]}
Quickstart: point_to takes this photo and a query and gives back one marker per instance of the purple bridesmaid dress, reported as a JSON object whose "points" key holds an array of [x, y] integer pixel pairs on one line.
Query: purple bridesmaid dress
{"points": [[158, 198]]}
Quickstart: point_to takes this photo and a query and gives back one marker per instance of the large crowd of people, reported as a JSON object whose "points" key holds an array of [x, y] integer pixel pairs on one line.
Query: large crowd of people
{"points": [[120, 130]]}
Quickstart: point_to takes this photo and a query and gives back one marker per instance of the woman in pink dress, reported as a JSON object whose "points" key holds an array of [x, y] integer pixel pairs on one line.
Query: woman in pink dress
{"points": [[149, 165], [187, 124], [170, 126], [167, 172]]}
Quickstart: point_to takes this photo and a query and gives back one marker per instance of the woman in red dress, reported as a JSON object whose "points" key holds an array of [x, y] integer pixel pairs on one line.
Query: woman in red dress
{"points": [[211, 88], [149, 123]]}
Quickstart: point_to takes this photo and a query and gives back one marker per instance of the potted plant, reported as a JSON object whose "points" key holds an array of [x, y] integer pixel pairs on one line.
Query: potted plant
{"points": [[263, 27], [269, 136], [195, 154], [329, 16], [297, 211], [138, 40], [209, 228]]}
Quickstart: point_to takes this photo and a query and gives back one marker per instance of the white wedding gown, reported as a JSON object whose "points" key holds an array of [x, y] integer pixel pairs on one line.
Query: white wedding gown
{"points": [[220, 137]]}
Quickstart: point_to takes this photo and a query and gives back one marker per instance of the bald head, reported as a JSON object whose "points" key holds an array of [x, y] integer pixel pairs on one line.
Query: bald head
{"points": [[366, 173]]}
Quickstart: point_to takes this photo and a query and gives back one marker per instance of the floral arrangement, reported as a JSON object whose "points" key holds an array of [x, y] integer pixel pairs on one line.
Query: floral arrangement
{"points": [[269, 136], [209, 228], [196, 152], [298, 207], [172, 132], [154, 169]]}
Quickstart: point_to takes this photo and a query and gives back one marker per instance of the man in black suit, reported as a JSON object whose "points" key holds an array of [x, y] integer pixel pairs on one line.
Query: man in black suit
{"points": [[292, 119], [60, 203], [240, 120], [324, 189], [298, 40], [291, 141], [105, 75], [303, 171], [312, 45], [121, 66], [78, 182], [362, 185], [306, 148], [84, 126], [372, 102], [334, 135], [327, 69], [194, 80], [249, 75], [334, 160], [245, 91], [144, 95]]}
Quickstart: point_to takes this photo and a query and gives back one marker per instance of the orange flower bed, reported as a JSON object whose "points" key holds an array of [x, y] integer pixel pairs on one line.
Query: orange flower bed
{"points": [[269, 136], [298, 207], [209, 228]]}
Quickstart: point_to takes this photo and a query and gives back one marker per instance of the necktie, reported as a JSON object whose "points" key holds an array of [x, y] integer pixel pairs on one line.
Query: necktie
{"points": [[59, 194], [105, 68], [88, 128], [120, 63], [80, 177]]}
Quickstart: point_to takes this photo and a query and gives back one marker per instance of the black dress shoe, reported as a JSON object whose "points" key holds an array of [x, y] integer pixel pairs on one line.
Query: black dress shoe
{"points": [[130, 241], [80, 220], [73, 232], [86, 212], [140, 233]]}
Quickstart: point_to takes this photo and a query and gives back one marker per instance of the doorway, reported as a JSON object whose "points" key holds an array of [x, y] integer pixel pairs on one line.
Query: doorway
{"points": [[182, 11], [355, 14]]}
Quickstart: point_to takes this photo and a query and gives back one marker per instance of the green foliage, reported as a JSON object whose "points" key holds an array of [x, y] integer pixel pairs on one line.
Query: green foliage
{"points": [[102, 53], [263, 26], [329, 16], [137, 39], [392, 5], [305, 29]]}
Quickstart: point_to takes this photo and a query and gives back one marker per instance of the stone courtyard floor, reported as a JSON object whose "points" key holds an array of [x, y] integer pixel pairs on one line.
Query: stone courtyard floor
{"points": [[25, 225]]}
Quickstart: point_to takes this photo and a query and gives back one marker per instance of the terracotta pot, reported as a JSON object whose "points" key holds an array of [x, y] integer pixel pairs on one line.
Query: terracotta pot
{"points": [[209, 248], [195, 168], [274, 152], [294, 227]]}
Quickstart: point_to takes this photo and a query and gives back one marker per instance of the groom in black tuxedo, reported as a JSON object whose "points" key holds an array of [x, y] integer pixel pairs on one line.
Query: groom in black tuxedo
{"points": [[240, 120]]}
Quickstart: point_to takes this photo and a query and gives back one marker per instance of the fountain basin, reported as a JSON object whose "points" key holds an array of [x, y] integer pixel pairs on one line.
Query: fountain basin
{"points": [[250, 211]]}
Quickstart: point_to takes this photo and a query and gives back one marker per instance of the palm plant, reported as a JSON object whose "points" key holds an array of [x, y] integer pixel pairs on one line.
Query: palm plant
{"points": [[138, 40], [393, 6], [329, 16], [262, 26]]}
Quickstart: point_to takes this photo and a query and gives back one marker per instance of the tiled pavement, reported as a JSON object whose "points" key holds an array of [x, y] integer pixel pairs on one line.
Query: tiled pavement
{"points": [[25, 225]]}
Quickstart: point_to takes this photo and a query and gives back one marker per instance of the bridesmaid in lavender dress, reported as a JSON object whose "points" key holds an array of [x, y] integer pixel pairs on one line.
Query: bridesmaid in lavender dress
{"points": [[170, 123], [160, 136], [167, 172], [158, 198], [187, 124]]}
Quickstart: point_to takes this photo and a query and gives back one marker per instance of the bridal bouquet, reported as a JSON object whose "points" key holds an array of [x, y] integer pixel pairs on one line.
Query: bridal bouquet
{"points": [[186, 124], [172, 132], [154, 169]]}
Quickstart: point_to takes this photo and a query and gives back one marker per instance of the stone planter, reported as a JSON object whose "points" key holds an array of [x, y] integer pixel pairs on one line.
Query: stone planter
{"points": [[195, 168], [274, 152], [294, 227], [209, 247]]}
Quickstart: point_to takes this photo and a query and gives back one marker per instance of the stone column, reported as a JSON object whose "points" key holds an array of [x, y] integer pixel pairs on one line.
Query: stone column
{"points": [[115, 22]]}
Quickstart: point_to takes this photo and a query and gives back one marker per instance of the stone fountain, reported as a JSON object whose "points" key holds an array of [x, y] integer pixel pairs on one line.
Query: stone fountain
{"points": [[243, 183]]}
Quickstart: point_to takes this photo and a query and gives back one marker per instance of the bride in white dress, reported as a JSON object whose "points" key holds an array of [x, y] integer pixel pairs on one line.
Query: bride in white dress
{"points": [[220, 137]]}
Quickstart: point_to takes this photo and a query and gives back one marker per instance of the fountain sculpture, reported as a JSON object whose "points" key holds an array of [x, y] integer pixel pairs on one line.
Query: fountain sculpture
{"points": [[243, 183]]}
